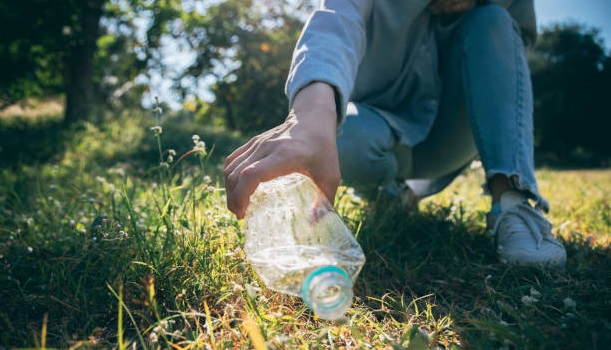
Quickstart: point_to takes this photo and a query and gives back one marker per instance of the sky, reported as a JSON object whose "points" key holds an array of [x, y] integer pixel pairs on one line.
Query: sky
{"points": [[591, 13]]}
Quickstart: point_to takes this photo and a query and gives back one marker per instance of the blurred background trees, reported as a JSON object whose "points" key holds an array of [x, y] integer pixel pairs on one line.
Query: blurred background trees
{"points": [[572, 85], [48, 47], [106, 53], [227, 60]]}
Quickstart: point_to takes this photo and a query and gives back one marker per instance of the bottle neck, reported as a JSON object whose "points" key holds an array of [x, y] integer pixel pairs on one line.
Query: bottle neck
{"points": [[328, 292]]}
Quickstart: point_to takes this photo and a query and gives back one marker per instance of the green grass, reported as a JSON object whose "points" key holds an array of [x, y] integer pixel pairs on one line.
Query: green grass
{"points": [[101, 247]]}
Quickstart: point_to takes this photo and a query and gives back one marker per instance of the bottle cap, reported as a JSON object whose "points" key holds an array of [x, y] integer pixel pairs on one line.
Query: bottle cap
{"points": [[328, 292]]}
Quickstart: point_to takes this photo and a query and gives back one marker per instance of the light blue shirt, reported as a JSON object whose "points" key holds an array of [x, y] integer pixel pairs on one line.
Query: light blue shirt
{"points": [[382, 53]]}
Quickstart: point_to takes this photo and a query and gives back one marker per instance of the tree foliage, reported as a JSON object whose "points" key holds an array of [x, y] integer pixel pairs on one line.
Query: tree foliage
{"points": [[107, 52], [50, 48], [33, 45], [97, 51], [246, 48], [572, 85], [252, 95]]}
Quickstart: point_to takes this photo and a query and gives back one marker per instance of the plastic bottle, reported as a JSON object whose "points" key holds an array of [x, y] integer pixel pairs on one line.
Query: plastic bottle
{"points": [[298, 245]]}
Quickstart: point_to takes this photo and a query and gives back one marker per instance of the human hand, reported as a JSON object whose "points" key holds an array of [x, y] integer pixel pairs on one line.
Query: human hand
{"points": [[304, 143], [451, 6]]}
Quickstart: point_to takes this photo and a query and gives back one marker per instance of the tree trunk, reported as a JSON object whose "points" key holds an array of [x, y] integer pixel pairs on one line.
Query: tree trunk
{"points": [[79, 64]]}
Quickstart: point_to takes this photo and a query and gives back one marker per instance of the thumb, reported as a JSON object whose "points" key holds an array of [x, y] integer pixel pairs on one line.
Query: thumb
{"points": [[327, 182]]}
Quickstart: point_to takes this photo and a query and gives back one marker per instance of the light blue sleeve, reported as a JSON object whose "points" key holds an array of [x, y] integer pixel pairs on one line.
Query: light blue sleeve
{"points": [[330, 48]]}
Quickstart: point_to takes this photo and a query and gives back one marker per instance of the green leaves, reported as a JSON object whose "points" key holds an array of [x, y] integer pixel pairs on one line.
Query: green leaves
{"points": [[571, 79]]}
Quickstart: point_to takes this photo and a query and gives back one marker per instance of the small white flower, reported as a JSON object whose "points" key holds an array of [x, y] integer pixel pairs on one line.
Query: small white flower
{"points": [[153, 337], [171, 155], [569, 303], [200, 146], [118, 171], [528, 300], [157, 130], [195, 138], [237, 287], [30, 249]]}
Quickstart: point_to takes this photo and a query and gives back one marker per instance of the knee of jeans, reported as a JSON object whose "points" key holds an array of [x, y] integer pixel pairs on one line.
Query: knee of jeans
{"points": [[363, 139], [487, 21], [364, 165], [355, 152]]}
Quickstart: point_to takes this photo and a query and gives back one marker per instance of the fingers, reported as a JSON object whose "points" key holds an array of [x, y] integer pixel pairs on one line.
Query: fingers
{"points": [[245, 167], [291, 147], [253, 145], [239, 151], [234, 169], [246, 180], [239, 157]]}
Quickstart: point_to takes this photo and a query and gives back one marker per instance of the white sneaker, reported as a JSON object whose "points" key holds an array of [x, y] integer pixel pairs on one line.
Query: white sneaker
{"points": [[409, 199], [523, 235], [398, 195]]}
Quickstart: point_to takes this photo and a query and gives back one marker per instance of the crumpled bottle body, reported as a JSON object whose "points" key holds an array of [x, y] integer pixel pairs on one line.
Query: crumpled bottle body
{"points": [[299, 245]]}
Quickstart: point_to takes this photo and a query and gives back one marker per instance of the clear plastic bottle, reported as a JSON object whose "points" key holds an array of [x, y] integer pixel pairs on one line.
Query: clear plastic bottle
{"points": [[298, 245]]}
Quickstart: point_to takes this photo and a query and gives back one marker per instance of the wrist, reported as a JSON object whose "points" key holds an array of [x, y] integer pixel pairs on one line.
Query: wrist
{"points": [[316, 103]]}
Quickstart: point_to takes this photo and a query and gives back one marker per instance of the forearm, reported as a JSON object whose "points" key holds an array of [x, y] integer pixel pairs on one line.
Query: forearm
{"points": [[315, 105], [330, 49]]}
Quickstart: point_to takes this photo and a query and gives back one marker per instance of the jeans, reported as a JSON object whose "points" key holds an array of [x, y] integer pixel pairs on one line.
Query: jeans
{"points": [[486, 108]]}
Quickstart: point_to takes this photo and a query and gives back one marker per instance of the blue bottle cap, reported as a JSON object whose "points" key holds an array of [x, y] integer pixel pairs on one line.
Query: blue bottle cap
{"points": [[332, 288]]}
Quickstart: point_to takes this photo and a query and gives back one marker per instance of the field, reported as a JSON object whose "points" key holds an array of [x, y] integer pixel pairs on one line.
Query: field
{"points": [[110, 240]]}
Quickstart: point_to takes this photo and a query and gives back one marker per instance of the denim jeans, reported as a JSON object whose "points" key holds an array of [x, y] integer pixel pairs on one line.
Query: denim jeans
{"points": [[486, 108]]}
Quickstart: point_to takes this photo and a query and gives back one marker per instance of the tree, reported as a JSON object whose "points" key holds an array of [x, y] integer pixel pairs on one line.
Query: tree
{"points": [[29, 43], [77, 48], [253, 93], [79, 59], [246, 46], [571, 79], [94, 51], [47, 47]]}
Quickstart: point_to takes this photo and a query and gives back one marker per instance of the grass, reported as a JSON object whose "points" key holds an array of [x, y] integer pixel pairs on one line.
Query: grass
{"points": [[101, 246]]}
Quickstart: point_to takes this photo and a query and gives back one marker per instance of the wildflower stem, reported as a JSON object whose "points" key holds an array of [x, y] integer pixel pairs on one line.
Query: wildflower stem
{"points": [[162, 172]]}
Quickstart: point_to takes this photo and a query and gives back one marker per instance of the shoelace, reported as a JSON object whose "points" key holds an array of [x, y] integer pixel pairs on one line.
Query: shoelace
{"points": [[533, 219]]}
